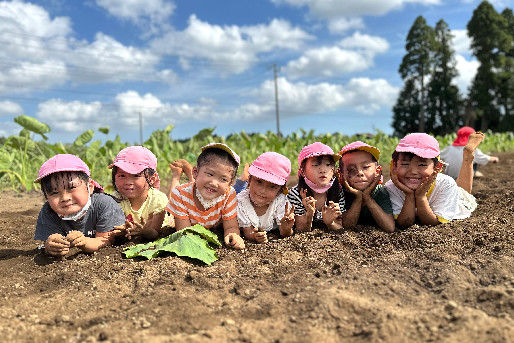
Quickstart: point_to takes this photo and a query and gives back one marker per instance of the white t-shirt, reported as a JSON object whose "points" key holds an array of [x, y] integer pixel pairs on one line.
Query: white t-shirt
{"points": [[247, 217], [447, 200], [453, 156]]}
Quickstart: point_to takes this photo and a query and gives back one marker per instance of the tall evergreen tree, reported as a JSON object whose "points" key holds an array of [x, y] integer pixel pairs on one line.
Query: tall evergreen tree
{"points": [[407, 104], [488, 36], [414, 69], [506, 72], [443, 103]]}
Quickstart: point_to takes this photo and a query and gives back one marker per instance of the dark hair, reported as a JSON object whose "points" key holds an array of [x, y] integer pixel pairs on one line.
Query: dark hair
{"points": [[148, 173], [409, 155], [208, 155], [349, 152], [65, 176], [333, 193]]}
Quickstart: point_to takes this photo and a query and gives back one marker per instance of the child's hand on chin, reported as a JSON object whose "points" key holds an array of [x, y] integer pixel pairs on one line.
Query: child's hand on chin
{"points": [[57, 245], [234, 241]]}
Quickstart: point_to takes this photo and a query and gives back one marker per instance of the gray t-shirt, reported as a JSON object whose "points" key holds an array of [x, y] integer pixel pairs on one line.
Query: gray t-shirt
{"points": [[102, 216]]}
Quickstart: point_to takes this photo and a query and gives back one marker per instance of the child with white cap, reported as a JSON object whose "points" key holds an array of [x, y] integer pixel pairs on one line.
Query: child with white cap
{"points": [[136, 184], [76, 212], [419, 192], [210, 200], [367, 201], [318, 199], [263, 206]]}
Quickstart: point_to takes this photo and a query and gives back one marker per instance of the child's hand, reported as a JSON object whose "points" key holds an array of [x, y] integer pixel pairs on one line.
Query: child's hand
{"points": [[187, 169], [344, 181], [119, 230], [287, 222], [330, 212], [394, 177], [427, 182], [367, 192], [246, 175], [136, 229], [259, 236], [57, 245], [76, 239], [176, 169], [308, 202], [234, 241]]}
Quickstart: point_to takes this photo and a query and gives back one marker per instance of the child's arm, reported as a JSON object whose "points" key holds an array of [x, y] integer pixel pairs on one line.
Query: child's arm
{"points": [[407, 216], [351, 216], [88, 244], [304, 222], [425, 214], [181, 223], [232, 234], [384, 220], [286, 223]]}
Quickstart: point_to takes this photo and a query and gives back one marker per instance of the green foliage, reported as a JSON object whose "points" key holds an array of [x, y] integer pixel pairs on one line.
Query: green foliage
{"points": [[190, 242]]}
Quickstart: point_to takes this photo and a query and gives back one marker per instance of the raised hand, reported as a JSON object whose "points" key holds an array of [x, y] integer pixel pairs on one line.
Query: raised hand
{"points": [[287, 221], [330, 212], [308, 202]]}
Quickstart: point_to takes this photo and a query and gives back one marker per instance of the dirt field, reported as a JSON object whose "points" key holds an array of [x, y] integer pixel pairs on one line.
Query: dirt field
{"points": [[451, 283]]}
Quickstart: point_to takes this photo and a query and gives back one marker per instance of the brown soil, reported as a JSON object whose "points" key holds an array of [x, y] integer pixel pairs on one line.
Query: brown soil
{"points": [[450, 283]]}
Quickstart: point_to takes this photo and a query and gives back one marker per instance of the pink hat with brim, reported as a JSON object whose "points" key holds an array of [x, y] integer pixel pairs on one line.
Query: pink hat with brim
{"points": [[223, 147], [272, 167], [135, 159], [420, 144], [64, 163], [358, 145], [316, 149]]}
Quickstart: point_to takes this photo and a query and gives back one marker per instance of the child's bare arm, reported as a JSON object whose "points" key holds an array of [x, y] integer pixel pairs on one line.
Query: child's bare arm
{"points": [[424, 212], [181, 223], [304, 222], [232, 234], [351, 216], [407, 216], [384, 220], [88, 244]]}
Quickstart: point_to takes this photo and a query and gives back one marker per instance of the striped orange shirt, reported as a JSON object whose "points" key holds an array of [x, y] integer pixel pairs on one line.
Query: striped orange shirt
{"points": [[182, 205]]}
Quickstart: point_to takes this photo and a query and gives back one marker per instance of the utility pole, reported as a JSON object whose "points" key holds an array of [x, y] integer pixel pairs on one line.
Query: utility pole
{"points": [[275, 71], [141, 127]]}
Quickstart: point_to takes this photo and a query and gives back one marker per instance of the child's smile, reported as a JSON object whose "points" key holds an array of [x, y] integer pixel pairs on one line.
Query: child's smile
{"points": [[413, 172], [68, 198], [213, 180], [132, 186], [262, 192]]}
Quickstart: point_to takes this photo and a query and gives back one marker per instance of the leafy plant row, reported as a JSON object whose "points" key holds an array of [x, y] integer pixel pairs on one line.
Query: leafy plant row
{"points": [[22, 155]]}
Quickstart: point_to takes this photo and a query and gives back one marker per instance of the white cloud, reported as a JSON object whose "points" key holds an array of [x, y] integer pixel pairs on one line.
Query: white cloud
{"points": [[71, 116], [152, 13], [10, 108], [330, 9], [461, 42], [467, 70], [339, 25], [230, 49], [330, 61]]}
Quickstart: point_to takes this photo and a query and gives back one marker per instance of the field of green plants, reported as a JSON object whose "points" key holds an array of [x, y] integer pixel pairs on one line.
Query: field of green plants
{"points": [[22, 155]]}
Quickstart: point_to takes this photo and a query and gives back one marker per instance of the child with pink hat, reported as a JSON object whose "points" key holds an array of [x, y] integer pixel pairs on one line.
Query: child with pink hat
{"points": [[318, 199], [453, 154], [367, 201], [419, 192], [210, 200], [136, 184], [263, 206], [76, 213]]}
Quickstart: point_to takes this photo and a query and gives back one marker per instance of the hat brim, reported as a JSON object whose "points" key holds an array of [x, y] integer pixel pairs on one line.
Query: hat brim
{"points": [[127, 167], [370, 149], [261, 174], [223, 147], [423, 153], [38, 180]]}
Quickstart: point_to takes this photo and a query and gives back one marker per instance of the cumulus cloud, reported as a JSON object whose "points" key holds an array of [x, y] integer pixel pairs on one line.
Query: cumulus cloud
{"points": [[467, 70], [10, 108], [461, 42], [230, 49], [354, 53], [71, 116], [41, 52], [152, 13], [339, 25], [329, 9]]}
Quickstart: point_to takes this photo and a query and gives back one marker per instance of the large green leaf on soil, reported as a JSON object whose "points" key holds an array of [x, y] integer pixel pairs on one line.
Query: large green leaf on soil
{"points": [[190, 242]]}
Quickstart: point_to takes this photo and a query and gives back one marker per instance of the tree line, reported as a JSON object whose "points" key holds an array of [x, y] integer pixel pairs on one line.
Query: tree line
{"points": [[430, 102]]}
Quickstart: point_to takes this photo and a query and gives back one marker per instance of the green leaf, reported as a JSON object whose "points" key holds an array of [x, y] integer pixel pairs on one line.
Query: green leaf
{"points": [[33, 125], [84, 138], [104, 130]]}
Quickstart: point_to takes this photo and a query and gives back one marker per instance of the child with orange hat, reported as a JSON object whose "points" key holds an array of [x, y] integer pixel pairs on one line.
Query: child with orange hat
{"points": [[419, 192], [76, 213], [367, 201], [453, 154]]}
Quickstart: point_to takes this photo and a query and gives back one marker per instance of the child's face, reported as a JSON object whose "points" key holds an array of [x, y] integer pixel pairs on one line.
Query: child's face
{"points": [[132, 186], [319, 171], [68, 196], [412, 171], [359, 169], [214, 178], [262, 192]]}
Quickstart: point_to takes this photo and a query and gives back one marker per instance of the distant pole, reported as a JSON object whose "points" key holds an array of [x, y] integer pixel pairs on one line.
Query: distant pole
{"points": [[275, 71], [141, 128]]}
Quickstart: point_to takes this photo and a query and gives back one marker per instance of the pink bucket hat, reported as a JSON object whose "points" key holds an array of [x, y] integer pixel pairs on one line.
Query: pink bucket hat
{"points": [[135, 159], [358, 145], [223, 147], [63, 163], [420, 144], [272, 167], [316, 149]]}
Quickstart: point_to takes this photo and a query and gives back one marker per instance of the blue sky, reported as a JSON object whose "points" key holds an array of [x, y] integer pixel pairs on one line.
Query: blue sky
{"points": [[77, 65]]}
